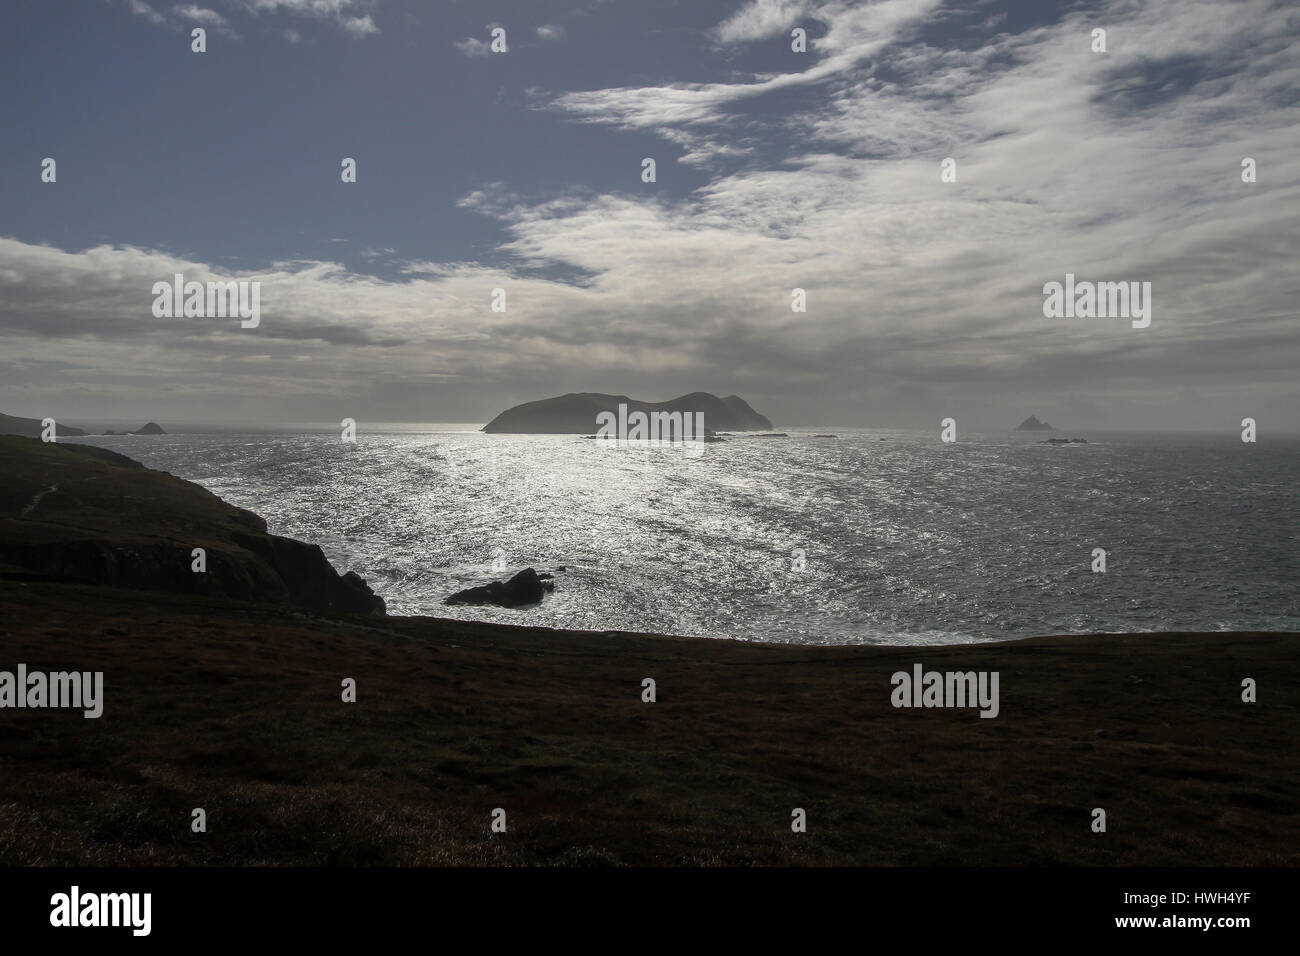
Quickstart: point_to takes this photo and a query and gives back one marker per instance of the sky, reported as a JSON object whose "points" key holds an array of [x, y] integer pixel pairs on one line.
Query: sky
{"points": [[775, 169]]}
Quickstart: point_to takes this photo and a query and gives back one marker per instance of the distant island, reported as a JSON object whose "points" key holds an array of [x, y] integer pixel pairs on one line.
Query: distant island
{"points": [[31, 428], [149, 428], [575, 413], [1032, 424]]}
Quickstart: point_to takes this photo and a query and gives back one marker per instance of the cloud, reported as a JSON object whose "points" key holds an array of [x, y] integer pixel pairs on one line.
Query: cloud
{"points": [[760, 20], [359, 26], [923, 296], [470, 46], [201, 15], [473, 47], [856, 33], [142, 9], [351, 16], [183, 16], [551, 32]]}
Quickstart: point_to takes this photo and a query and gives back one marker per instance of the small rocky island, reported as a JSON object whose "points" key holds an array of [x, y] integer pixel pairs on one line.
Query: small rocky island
{"points": [[526, 587], [1032, 424]]}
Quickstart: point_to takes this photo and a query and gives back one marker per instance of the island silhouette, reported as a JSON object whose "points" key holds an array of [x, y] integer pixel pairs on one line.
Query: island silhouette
{"points": [[576, 412]]}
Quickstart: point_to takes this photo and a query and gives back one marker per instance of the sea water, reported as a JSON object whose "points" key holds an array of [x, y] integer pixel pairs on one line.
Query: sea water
{"points": [[873, 536]]}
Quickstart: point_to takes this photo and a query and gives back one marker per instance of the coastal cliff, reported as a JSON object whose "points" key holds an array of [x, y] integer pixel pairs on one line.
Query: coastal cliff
{"points": [[80, 513]]}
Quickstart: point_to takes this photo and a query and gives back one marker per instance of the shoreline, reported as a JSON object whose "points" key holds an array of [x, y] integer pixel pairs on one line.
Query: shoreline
{"points": [[433, 619]]}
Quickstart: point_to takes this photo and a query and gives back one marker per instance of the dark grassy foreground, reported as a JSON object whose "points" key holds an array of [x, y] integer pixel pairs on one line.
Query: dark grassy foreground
{"points": [[236, 709]]}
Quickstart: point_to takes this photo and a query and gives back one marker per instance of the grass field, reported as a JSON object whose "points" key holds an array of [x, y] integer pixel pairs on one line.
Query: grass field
{"points": [[236, 708]]}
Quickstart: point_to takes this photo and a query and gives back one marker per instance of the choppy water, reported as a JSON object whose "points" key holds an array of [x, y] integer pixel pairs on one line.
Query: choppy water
{"points": [[905, 540]]}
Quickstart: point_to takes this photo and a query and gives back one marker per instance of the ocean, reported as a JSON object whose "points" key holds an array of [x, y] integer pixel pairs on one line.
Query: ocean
{"points": [[870, 537]]}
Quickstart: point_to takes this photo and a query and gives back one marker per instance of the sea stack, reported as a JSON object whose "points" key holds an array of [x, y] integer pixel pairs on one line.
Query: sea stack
{"points": [[1032, 424]]}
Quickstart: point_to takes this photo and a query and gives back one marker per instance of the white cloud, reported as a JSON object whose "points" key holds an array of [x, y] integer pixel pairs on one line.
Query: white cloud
{"points": [[197, 14], [921, 294], [359, 26], [760, 20], [470, 46], [142, 9], [551, 32], [855, 34], [352, 16]]}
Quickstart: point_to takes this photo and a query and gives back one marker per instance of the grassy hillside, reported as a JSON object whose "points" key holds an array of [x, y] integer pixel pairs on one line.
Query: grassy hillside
{"points": [[236, 708]]}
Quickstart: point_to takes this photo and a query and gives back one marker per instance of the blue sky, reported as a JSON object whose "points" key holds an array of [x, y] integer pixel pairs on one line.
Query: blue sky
{"points": [[775, 169]]}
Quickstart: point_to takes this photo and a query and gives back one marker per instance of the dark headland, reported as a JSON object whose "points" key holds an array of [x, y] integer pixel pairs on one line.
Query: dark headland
{"points": [[32, 428], [86, 514], [575, 413], [227, 697]]}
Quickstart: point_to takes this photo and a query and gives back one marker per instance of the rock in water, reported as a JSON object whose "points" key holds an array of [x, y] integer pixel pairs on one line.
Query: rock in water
{"points": [[524, 588]]}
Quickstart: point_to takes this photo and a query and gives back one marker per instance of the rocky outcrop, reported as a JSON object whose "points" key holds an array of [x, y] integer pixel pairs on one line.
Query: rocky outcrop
{"points": [[85, 514], [575, 413], [526, 587], [309, 579]]}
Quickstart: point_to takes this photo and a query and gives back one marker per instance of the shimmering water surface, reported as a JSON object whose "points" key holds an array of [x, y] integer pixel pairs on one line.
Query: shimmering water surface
{"points": [[905, 539]]}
